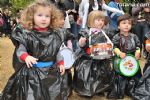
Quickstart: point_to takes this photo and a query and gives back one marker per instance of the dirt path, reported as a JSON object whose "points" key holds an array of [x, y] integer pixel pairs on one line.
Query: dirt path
{"points": [[6, 51]]}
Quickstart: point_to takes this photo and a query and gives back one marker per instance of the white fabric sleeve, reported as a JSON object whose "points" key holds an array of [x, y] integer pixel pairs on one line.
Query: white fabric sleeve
{"points": [[66, 22], [81, 5], [114, 10]]}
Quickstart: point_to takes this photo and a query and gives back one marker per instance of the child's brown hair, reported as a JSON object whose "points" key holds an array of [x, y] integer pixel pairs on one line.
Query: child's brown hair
{"points": [[27, 16], [124, 17], [96, 14]]}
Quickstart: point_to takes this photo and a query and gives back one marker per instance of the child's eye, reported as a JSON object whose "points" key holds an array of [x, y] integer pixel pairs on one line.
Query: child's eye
{"points": [[39, 14], [100, 20], [124, 22], [130, 22], [47, 16]]}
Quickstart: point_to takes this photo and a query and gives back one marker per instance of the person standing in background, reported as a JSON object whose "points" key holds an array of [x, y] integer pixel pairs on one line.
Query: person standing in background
{"points": [[7, 20], [141, 25], [114, 15]]}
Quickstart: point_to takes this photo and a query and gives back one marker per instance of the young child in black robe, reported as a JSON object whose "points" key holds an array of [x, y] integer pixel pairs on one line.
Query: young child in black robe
{"points": [[37, 42], [124, 43], [92, 76]]}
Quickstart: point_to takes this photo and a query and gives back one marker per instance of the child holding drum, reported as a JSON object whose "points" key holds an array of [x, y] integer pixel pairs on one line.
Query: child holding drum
{"points": [[93, 72], [125, 64], [66, 51]]}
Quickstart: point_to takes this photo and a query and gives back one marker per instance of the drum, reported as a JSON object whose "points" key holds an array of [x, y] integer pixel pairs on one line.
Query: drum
{"points": [[69, 57], [128, 66], [101, 50]]}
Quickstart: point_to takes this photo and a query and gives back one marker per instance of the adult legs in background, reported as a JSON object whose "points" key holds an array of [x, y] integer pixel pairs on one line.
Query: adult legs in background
{"points": [[140, 29], [75, 32], [84, 20]]}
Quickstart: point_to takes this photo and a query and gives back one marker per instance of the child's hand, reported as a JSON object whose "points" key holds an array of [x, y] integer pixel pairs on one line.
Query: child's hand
{"points": [[82, 42], [122, 12], [62, 69], [79, 21], [122, 55], [68, 11], [146, 10], [69, 44], [74, 11], [103, 1], [30, 61], [137, 56]]}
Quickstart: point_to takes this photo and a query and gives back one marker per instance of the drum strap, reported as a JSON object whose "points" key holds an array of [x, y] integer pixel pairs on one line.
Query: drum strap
{"points": [[108, 40], [90, 32], [63, 46]]}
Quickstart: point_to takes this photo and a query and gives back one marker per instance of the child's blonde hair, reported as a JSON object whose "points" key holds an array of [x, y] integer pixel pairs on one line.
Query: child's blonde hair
{"points": [[27, 16], [96, 14]]}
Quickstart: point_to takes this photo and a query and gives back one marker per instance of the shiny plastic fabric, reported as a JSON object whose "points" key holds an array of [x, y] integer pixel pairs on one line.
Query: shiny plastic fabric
{"points": [[142, 90], [34, 84], [91, 76], [123, 85], [37, 83], [67, 82]]}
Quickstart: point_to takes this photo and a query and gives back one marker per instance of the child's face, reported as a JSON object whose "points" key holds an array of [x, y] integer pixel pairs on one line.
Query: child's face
{"points": [[99, 23], [125, 26], [42, 17]]}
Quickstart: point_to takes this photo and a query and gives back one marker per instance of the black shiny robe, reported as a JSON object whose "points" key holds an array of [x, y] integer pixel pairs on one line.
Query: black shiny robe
{"points": [[142, 90], [124, 85], [37, 83], [91, 76], [127, 44]]}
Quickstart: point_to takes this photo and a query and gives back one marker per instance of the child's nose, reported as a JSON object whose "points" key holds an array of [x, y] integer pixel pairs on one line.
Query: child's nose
{"points": [[43, 18]]}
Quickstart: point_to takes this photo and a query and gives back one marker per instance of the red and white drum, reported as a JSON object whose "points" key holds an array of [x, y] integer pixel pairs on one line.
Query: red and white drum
{"points": [[101, 51]]}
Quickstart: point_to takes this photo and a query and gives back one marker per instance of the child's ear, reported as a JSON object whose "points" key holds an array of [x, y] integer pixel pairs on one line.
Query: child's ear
{"points": [[118, 27]]}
